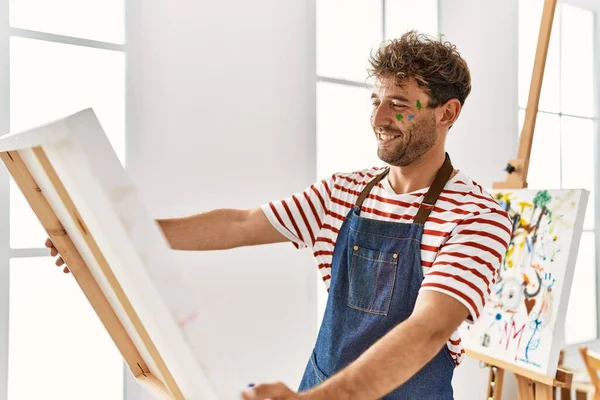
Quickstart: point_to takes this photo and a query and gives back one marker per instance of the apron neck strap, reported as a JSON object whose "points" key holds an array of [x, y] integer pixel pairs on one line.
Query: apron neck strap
{"points": [[431, 196], [369, 187], [434, 191]]}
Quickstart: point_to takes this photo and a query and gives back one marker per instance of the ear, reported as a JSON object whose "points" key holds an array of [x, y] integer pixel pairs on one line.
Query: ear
{"points": [[448, 113]]}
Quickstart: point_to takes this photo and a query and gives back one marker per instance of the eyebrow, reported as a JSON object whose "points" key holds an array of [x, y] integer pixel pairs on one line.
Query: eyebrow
{"points": [[398, 98]]}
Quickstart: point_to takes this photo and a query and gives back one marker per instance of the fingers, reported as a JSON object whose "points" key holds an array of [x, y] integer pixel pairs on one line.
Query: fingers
{"points": [[59, 262], [50, 245], [249, 394], [53, 252], [273, 391]]}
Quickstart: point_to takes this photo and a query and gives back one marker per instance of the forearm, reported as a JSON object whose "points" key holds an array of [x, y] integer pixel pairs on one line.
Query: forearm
{"points": [[386, 365], [214, 230]]}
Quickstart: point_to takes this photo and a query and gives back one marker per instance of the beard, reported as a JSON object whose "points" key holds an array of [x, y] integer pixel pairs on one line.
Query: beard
{"points": [[410, 144]]}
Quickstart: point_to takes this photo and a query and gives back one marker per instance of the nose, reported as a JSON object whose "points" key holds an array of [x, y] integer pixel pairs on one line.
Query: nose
{"points": [[381, 118]]}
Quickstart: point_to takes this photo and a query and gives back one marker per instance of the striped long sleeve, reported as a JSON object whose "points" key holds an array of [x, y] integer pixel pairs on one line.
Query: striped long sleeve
{"points": [[301, 216], [467, 263]]}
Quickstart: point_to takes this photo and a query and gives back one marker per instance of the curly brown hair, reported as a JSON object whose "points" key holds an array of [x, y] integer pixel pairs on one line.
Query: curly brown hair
{"points": [[436, 65]]}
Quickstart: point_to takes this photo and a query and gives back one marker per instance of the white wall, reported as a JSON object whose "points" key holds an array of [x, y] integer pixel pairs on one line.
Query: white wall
{"points": [[221, 114], [221, 110], [484, 138]]}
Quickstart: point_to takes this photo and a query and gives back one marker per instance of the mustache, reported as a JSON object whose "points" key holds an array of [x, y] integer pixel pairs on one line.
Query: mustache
{"points": [[385, 131]]}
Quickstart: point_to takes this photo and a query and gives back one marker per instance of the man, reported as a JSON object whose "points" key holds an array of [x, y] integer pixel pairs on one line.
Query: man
{"points": [[407, 252]]}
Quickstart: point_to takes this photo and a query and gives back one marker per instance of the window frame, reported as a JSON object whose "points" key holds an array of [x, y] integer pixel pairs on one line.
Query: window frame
{"points": [[6, 252], [4, 197], [594, 7]]}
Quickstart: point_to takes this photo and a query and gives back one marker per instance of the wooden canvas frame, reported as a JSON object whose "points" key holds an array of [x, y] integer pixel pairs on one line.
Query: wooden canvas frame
{"points": [[143, 335]]}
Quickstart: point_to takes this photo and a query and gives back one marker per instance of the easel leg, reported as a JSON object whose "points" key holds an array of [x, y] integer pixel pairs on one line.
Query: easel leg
{"points": [[525, 388], [543, 391], [581, 395], [495, 382]]}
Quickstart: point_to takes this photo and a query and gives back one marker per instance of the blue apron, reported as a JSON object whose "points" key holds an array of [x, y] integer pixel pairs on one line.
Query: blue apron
{"points": [[376, 275]]}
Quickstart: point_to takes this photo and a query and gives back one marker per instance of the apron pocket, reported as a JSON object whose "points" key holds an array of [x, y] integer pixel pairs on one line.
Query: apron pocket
{"points": [[372, 277], [316, 370]]}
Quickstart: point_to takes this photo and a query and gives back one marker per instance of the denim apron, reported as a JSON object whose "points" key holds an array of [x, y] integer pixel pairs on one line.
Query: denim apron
{"points": [[376, 275]]}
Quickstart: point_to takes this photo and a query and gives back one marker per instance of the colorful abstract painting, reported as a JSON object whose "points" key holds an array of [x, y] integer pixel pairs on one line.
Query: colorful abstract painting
{"points": [[523, 320]]}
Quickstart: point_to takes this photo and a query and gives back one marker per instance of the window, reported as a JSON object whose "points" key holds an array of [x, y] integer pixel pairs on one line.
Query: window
{"points": [[62, 56], [347, 32], [563, 153], [53, 327]]}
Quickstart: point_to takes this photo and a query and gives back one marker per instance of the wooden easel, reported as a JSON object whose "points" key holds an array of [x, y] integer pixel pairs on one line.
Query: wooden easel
{"points": [[516, 177], [530, 384], [163, 386]]}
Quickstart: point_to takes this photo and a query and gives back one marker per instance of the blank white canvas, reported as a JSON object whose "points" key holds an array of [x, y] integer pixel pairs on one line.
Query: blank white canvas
{"points": [[136, 250], [523, 320]]}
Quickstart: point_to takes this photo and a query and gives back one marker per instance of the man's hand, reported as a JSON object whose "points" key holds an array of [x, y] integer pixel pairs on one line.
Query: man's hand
{"points": [[53, 252], [390, 362], [274, 391]]}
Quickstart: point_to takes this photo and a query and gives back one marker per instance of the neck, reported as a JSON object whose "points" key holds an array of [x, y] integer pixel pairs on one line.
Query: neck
{"points": [[418, 175]]}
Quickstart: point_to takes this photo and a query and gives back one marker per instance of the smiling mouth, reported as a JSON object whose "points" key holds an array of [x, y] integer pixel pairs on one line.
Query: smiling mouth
{"points": [[386, 138]]}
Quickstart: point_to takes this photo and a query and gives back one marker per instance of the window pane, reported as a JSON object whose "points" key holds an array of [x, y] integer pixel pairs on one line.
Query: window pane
{"points": [[404, 15], [51, 80], [530, 17], [345, 139], [58, 348], [25, 228], [347, 32], [577, 58], [102, 20], [578, 159], [544, 163], [581, 313]]}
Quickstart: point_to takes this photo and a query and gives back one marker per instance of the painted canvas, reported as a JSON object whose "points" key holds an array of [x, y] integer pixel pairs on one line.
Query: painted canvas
{"points": [[523, 320]]}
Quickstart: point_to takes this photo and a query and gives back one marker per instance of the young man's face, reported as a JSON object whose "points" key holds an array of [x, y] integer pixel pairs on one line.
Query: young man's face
{"points": [[404, 127]]}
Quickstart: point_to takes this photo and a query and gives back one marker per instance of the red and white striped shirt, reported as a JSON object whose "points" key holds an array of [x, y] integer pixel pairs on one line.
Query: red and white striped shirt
{"points": [[463, 244]]}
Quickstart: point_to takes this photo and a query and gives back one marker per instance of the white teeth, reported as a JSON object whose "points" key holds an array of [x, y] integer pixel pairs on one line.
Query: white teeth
{"points": [[386, 137]]}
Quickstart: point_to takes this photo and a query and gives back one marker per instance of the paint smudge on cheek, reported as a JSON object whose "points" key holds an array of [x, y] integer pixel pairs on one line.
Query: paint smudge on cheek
{"points": [[419, 105], [400, 117]]}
